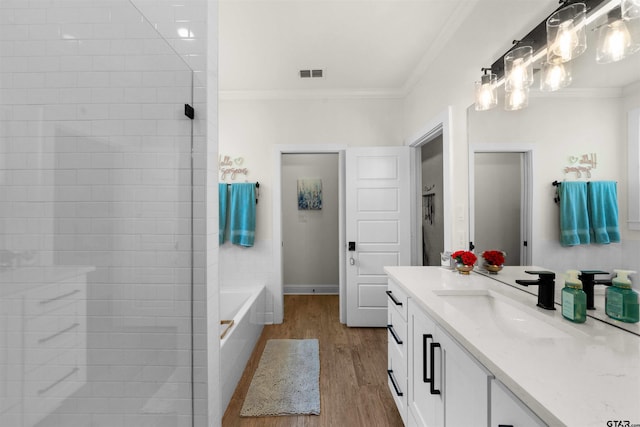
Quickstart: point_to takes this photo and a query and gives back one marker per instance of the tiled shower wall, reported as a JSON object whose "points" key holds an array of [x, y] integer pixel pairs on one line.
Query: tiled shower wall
{"points": [[95, 189]]}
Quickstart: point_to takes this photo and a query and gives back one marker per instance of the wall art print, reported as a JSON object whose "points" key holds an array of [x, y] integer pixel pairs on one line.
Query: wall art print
{"points": [[309, 194]]}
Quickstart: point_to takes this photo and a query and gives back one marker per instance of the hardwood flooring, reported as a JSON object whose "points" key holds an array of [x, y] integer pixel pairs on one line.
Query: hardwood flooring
{"points": [[353, 369]]}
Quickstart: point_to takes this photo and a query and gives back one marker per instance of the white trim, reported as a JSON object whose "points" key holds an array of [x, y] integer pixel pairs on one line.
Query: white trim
{"points": [[530, 199], [633, 182], [312, 289], [441, 124], [277, 288], [226, 95]]}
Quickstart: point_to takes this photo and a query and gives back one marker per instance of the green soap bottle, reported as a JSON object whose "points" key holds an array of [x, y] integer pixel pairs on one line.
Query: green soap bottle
{"points": [[574, 300], [622, 301]]}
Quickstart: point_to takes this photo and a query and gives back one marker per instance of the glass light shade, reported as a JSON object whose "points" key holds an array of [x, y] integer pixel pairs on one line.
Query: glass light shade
{"points": [[518, 68], [486, 92], [615, 41], [555, 76], [630, 9], [516, 99], [566, 33]]}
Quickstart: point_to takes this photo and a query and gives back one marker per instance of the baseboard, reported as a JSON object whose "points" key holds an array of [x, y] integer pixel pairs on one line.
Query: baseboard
{"points": [[311, 289]]}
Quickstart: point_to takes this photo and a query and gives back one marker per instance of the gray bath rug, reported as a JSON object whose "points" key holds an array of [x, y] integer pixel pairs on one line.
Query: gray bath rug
{"points": [[287, 381]]}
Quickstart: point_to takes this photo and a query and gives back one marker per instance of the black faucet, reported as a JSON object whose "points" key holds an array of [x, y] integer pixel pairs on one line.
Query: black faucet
{"points": [[546, 287], [588, 282]]}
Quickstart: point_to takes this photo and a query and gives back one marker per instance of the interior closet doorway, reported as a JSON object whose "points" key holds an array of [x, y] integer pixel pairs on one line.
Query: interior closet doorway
{"points": [[432, 215], [500, 217], [310, 217]]}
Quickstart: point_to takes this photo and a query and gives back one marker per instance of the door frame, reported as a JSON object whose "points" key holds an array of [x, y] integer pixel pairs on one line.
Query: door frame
{"points": [[526, 198], [277, 287], [440, 125]]}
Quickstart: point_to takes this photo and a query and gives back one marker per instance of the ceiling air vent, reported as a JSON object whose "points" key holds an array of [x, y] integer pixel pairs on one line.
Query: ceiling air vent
{"points": [[305, 74]]}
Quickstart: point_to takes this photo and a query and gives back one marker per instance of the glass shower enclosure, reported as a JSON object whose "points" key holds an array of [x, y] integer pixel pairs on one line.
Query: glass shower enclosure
{"points": [[95, 219]]}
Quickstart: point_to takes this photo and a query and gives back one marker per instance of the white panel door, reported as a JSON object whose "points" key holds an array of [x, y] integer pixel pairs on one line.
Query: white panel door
{"points": [[378, 228]]}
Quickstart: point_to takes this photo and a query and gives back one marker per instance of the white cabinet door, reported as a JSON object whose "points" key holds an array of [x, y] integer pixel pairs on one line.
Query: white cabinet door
{"points": [[508, 410], [378, 228], [426, 400], [447, 386], [466, 386]]}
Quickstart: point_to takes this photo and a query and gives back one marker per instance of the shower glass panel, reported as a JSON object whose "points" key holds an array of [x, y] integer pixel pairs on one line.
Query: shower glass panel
{"points": [[95, 218]]}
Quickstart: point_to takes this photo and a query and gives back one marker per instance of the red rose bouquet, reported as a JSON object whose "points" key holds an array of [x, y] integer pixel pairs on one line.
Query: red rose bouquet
{"points": [[464, 257], [493, 257]]}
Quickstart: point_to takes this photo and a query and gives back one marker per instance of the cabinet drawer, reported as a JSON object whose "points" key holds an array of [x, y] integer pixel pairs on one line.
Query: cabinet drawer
{"points": [[397, 380], [397, 332], [397, 299], [52, 297]]}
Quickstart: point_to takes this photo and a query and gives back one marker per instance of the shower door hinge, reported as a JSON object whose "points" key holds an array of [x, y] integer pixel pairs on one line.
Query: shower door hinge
{"points": [[189, 111]]}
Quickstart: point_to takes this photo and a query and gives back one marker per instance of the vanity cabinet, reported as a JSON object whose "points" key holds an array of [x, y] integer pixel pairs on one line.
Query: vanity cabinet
{"points": [[447, 386], [397, 346]]}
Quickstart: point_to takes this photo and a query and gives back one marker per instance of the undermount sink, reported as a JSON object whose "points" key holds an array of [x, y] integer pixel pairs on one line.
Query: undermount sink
{"points": [[510, 317]]}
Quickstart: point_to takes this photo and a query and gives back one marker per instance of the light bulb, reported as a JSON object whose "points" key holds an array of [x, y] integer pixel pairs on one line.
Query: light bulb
{"points": [[486, 97], [555, 76], [566, 41], [614, 42], [516, 99]]}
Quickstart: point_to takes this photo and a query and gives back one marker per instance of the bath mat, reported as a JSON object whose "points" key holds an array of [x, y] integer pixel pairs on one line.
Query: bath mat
{"points": [[287, 381]]}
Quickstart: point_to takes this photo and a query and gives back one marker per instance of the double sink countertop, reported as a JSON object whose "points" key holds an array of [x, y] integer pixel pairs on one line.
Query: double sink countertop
{"points": [[567, 373]]}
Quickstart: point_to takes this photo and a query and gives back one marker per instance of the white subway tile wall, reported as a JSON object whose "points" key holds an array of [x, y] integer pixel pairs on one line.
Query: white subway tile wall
{"points": [[96, 211]]}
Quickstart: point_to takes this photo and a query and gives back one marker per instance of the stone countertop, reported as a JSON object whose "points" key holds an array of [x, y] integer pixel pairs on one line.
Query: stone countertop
{"points": [[567, 373]]}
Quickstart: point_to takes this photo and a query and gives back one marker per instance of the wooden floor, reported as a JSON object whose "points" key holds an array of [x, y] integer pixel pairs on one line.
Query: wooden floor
{"points": [[353, 369]]}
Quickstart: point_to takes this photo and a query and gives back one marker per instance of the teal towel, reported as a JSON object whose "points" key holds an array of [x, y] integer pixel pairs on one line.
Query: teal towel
{"points": [[574, 218], [603, 211], [242, 215], [222, 210]]}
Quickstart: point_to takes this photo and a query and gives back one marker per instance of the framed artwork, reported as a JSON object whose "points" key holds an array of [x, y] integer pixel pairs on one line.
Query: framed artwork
{"points": [[309, 194]]}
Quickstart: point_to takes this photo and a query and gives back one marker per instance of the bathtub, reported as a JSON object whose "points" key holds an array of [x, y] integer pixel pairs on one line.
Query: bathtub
{"points": [[242, 316]]}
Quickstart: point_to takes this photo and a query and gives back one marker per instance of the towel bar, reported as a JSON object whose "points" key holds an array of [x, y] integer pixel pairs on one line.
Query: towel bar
{"points": [[226, 322]]}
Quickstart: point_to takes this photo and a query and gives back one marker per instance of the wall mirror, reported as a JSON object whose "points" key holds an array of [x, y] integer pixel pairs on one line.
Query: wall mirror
{"points": [[570, 122]]}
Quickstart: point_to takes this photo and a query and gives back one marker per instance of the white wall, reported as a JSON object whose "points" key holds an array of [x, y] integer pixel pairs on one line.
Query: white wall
{"points": [[310, 237], [251, 129]]}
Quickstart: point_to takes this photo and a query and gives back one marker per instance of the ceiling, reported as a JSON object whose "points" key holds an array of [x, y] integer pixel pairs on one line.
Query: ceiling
{"points": [[363, 46]]}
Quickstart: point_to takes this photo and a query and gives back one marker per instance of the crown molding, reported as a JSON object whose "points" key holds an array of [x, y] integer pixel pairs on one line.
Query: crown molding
{"points": [[227, 95]]}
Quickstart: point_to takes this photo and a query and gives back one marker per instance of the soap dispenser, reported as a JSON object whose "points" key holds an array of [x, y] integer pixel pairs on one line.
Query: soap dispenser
{"points": [[621, 302], [574, 299]]}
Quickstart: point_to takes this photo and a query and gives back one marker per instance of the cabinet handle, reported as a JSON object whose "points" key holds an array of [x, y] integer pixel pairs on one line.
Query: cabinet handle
{"points": [[68, 294], [52, 385], [395, 301], [425, 337], [60, 332], [505, 425], [393, 381], [432, 367], [394, 334]]}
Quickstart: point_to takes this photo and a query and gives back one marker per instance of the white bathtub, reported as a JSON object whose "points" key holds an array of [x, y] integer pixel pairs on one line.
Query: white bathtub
{"points": [[246, 307]]}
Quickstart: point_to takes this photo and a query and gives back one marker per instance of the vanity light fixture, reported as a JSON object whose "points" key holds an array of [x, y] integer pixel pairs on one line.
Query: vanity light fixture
{"points": [[486, 91], [555, 76], [566, 33], [614, 39]]}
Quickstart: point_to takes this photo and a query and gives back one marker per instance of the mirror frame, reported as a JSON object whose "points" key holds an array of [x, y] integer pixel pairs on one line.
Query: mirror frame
{"points": [[634, 169]]}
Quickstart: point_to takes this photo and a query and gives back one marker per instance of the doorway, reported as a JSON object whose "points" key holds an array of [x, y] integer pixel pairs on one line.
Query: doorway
{"points": [[500, 218], [432, 215], [310, 212]]}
